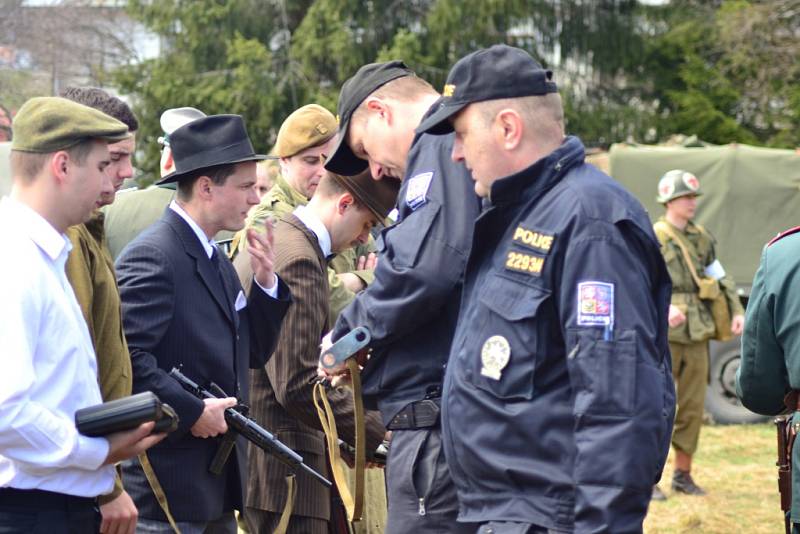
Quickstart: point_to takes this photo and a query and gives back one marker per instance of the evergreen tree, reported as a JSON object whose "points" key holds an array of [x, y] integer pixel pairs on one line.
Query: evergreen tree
{"points": [[722, 70]]}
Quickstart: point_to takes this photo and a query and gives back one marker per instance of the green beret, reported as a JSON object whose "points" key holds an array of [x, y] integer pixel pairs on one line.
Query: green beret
{"points": [[49, 124], [307, 127]]}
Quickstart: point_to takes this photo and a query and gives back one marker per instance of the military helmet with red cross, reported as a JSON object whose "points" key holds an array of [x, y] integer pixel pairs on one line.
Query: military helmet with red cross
{"points": [[677, 183]]}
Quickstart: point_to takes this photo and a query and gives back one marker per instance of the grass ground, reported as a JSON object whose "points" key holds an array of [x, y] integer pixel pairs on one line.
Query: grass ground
{"points": [[736, 465]]}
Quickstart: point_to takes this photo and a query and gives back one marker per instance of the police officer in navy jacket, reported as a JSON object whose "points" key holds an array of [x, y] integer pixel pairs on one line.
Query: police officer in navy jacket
{"points": [[558, 398], [412, 306]]}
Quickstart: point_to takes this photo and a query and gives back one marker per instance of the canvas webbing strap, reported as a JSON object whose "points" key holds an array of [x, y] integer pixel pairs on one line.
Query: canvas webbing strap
{"points": [[664, 227], [158, 491], [283, 523], [161, 497], [354, 505]]}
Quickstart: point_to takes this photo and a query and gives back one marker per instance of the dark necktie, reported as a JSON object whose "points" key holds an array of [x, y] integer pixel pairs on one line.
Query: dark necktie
{"points": [[216, 261]]}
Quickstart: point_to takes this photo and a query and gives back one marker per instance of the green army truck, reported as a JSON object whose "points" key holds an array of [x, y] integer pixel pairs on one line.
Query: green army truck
{"points": [[750, 195]]}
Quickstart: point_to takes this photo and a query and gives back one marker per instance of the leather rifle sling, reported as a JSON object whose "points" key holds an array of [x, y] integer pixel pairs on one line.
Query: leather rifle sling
{"points": [[354, 505]]}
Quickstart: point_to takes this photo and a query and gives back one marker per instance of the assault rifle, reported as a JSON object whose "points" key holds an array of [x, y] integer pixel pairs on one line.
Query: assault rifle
{"points": [[239, 423]]}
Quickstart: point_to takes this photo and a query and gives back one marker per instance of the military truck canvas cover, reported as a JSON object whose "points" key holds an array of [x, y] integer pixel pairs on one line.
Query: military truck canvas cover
{"points": [[5, 168], [750, 194]]}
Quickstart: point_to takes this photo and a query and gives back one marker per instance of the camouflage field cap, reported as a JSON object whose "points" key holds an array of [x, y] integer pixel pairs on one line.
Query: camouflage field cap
{"points": [[379, 196], [306, 127], [677, 183], [49, 124]]}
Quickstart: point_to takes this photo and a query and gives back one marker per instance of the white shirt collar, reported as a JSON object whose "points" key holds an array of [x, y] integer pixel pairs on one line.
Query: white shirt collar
{"points": [[313, 223], [208, 244], [41, 232]]}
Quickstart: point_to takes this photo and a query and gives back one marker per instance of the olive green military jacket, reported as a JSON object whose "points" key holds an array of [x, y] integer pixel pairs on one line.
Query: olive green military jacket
{"points": [[699, 324], [132, 212], [90, 271], [770, 364], [280, 201]]}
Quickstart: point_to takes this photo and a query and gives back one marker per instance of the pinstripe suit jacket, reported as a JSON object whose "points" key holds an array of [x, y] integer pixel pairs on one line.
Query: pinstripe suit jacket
{"points": [[177, 312], [281, 392]]}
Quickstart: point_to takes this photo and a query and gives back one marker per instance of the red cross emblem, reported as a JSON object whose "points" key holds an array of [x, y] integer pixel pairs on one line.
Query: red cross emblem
{"points": [[691, 181]]}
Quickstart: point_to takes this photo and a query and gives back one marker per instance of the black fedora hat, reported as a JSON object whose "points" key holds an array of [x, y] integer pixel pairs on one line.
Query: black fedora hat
{"points": [[207, 142]]}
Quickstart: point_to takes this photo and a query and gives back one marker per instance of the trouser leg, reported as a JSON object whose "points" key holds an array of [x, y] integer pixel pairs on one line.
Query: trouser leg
{"points": [[225, 524], [690, 370], [40, 512], [421, 494], [262, 521], [373, 517], [507, 527]]}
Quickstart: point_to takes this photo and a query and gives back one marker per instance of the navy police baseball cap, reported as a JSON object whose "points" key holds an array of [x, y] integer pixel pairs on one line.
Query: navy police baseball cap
{"points": [[366, 81], [500, 71]]}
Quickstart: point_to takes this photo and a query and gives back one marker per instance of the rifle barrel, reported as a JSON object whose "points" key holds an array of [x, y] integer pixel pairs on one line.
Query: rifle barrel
{"points": [[251, 430]]}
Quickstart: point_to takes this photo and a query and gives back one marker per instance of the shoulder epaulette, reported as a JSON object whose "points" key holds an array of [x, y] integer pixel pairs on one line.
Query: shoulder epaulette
{"points": [[783, 234]]}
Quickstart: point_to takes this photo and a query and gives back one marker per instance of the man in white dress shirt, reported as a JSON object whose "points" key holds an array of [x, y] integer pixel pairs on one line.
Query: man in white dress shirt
{"points": [[49, 474]]}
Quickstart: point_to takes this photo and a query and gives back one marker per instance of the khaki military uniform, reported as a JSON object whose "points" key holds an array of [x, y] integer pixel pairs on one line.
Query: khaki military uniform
{"points": [[132, 212], [688, 342], [280, 201], [90, 271]]}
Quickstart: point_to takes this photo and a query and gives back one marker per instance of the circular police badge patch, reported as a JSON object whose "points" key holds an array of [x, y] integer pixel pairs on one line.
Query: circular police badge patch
{"points": [[494, 356]]}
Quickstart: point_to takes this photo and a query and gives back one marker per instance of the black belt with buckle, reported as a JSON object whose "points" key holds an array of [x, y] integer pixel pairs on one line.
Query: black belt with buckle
{"points": [[418, 414]]}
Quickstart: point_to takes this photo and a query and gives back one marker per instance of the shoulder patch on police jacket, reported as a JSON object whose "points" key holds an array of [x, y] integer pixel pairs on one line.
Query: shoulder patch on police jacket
{"points": [[783, 234], [416, 193], [596, 304], [533, 239]]}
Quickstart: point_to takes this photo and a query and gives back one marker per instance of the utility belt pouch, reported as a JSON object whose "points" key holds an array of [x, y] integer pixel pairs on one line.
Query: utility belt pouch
{"points": [[708, 288]]}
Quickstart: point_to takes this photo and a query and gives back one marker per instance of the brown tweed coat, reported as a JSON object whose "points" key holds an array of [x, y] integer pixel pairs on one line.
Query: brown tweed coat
{"points": [[281, 393]]}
